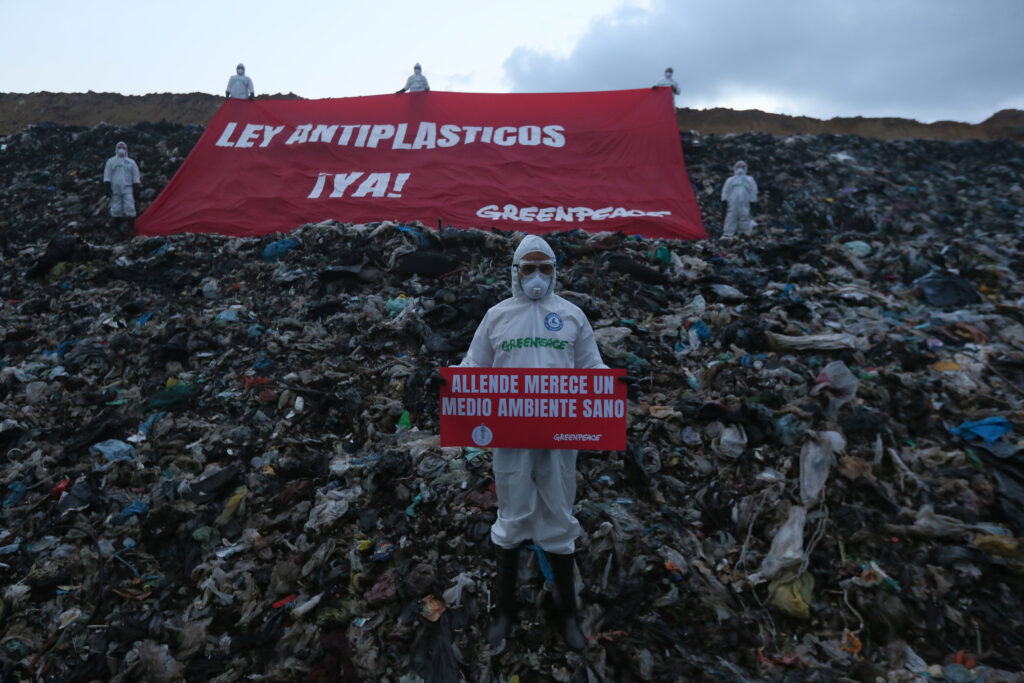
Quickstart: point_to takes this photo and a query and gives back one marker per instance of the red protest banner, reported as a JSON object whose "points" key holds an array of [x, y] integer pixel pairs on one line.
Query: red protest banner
{"points": [[533, 408], [531, 162]]}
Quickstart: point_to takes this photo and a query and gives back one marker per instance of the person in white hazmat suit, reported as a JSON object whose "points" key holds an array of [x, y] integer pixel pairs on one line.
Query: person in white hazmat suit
{"points": [[121, 174], [417, 82], [668, 82], [739, 191], [536, 487], [240, 85]]}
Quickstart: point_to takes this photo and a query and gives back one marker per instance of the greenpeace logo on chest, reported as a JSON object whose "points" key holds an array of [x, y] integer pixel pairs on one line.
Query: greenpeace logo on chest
{"points": [[533, 343], [553, 322]]}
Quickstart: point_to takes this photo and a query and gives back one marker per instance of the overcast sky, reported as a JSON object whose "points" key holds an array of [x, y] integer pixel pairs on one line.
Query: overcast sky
{"points": [[924, 59]]}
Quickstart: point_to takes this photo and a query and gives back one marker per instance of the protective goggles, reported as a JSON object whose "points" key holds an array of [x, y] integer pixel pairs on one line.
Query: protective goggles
{"points": [[530, 267]]}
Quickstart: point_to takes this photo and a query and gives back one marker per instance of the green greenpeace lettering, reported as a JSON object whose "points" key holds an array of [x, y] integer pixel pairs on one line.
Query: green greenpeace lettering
{"points": [[533, 343]]}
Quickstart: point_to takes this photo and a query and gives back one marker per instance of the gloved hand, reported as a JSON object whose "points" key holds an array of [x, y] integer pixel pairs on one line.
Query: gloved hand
{"points": [[436, 378], [399, 92], [628, 379], [252, 97]]}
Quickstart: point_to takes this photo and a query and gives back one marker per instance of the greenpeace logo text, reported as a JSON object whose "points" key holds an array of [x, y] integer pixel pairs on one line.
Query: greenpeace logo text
{"points": [[566, 214], [577, 437], [533, 343]]}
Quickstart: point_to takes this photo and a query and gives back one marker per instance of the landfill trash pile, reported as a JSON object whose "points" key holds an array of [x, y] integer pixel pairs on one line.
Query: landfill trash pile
{"points": [[221, 461]]}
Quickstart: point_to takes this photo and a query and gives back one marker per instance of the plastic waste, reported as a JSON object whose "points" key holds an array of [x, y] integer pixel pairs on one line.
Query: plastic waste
{"points": [[793, 596], [396, 305], [788, 429], [135, 508], [944, 289], [171, 397], [279, 248], [15, 493], [989, 429], [839, 384], [787, 547], [732, 442], [112, 450], [816, 458]]}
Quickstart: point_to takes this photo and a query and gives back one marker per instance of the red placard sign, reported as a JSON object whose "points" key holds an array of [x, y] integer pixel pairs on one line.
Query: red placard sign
{"points": [[533, 408]]}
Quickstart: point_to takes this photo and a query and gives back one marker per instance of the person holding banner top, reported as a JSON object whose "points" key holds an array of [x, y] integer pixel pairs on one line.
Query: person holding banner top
{"points": [[536, 487], [417, 82], [240, 85], [668, 82]]}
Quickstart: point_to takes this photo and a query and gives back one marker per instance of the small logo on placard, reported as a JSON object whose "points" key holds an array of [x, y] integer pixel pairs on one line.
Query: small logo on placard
{"points": [[553, 322], [482, 435]]}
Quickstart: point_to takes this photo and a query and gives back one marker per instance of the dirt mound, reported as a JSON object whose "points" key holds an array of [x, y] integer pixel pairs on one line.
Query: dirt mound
{"points": [[18, 110], [1008, 123]]}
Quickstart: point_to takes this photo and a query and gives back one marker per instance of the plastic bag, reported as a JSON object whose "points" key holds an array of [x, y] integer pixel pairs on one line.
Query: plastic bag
{"points": [[816, 458], [732, 442], [453, 596], [787, 546], [840, 383], [943, 288], [793, 596]]}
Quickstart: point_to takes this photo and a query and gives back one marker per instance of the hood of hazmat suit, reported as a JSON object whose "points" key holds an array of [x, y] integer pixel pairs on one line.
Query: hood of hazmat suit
{"points": [[529, 245]]}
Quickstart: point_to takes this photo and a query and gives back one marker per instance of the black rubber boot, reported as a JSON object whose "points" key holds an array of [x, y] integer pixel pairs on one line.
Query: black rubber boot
{"points": [[505, 594], [562, 566]]}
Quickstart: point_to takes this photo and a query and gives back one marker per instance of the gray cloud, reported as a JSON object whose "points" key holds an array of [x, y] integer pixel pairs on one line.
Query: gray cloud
{"points": [[924, 59]]}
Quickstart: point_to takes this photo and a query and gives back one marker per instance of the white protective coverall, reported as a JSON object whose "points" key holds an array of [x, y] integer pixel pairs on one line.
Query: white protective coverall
{"points": [[738, 192], [536, 487], [121, 172], [417, 82], [240, 85], [669, 82]]}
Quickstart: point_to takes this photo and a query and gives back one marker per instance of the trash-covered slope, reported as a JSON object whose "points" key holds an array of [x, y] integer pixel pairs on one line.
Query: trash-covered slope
{"points": [[220, 456]]}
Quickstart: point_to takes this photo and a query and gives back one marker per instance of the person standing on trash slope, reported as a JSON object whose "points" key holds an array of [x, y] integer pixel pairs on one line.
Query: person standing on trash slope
{"points": [[668, 82], [536, 487], [240, 85], [417, 82], [120, 174], [739, 191]]}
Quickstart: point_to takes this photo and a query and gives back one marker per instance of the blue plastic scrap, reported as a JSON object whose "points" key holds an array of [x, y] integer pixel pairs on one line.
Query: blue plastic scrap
{"points": [[703, 331], [545, 566], [113, 450], [424, 242], [63, 347], [17, 492], [275, 250], [136, 508], [150, 422], [989, 429]]}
